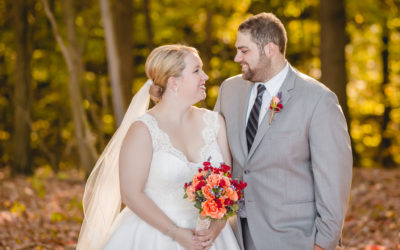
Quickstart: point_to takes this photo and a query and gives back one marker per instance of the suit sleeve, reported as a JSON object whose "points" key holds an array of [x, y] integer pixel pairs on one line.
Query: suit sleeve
{"points": [[217, 106], [332, 168]]}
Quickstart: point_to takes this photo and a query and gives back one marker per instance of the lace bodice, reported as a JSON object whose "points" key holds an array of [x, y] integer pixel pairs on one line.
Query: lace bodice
{"points": [[170, 168], [168, 173]]}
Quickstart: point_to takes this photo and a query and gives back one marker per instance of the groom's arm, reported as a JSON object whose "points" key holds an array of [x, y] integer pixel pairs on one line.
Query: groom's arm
{"points": [[217, 106], [332, 168]]}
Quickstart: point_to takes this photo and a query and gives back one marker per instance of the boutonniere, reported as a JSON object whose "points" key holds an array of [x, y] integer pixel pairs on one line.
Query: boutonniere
{"points": [[275, 106]]}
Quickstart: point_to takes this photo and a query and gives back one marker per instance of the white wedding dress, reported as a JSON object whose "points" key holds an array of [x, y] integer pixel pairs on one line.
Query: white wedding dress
{"points": [[169, 171]]}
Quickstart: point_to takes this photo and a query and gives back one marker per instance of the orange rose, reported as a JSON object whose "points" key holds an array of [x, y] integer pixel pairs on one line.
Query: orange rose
{"points": [[190, 193], [214, 179], [232, 194], [206, 191], [211, 209]]}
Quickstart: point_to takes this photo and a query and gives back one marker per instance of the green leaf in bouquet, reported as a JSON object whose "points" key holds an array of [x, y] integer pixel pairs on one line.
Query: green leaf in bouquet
{"points": [[198, 205]]}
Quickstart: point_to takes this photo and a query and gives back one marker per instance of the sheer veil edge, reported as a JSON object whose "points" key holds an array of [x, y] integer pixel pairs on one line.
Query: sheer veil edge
{"points": [[102, 197]]}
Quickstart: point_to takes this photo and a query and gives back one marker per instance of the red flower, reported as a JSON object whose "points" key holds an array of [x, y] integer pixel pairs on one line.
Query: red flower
{"points": [[218, 202], [278, 108], [200, 185], [225, 168], [206, 164], [275, 106], [239, 185]]}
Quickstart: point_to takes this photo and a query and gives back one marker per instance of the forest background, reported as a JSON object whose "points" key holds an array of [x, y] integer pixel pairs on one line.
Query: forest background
{"points": [[68, 70]]}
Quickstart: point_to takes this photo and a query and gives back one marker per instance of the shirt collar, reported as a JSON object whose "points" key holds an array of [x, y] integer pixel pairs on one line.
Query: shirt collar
{"points": [[274, 84]]}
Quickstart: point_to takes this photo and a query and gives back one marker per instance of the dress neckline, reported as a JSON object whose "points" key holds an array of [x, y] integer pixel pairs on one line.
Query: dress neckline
{"points": [[178, 152]]}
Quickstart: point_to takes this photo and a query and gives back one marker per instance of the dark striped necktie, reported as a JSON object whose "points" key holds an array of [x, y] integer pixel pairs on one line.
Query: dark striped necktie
{"points": [[252, 123]]}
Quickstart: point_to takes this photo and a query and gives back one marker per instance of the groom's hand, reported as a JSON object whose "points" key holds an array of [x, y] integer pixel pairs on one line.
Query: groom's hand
{"points": [[316, 247]]}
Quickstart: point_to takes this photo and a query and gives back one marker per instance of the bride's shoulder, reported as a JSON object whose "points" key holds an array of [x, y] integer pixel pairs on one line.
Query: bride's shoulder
{"points": [[203, 111], [137, 133], [209, 115], [139, 127]]}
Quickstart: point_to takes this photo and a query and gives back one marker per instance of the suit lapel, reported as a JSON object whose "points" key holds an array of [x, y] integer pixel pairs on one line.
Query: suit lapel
{"points": [[243, 115], [288, 84]]}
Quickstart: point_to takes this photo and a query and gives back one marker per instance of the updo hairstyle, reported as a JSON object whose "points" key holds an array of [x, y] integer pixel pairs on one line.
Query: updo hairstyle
{"points": [[164, 62]]}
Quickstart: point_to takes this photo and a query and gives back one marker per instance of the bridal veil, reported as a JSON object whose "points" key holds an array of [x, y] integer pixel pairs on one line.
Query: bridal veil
{"points": [[102, 197]]}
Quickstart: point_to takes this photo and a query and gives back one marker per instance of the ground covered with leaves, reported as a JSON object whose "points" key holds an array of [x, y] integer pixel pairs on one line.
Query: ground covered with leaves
{"points": [[44, 211]]}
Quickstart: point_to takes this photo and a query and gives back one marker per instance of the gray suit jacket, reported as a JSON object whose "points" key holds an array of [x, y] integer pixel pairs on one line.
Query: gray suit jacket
{"points": [[298, 169]]}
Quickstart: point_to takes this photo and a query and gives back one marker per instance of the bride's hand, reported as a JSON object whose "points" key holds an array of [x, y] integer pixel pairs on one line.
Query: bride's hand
{"points": [[187, 239], [208, 236]]}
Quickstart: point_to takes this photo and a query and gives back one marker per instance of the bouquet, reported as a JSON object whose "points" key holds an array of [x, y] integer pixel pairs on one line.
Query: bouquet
{"points": [[214, 193]]}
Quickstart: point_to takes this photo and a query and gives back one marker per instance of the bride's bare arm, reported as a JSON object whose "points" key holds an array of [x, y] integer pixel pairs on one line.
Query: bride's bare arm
{"points": [[134, 166]]}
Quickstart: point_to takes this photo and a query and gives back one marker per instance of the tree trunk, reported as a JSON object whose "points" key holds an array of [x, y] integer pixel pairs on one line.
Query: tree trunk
{"points": [[385, 157], [123, 26], [72, 41], [149, 28], [333, 61], [75, 51], [113, 61], [22, 157], [333, 41], [206, 53], [84, 139]]}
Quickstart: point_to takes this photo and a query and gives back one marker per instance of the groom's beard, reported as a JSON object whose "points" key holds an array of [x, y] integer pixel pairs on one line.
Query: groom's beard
{"points": [[258, 74], [248, 74]]}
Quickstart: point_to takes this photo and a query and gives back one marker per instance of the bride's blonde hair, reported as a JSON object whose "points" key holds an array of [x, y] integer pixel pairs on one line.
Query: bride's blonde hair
{"points": [[164, 62]]}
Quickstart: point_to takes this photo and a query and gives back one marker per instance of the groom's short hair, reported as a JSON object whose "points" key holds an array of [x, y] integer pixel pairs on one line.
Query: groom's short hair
{"points": [[265, 28]]}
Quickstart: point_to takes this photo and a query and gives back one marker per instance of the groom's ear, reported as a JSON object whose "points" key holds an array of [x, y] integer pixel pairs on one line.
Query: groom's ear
{"points": [[270, 49]]}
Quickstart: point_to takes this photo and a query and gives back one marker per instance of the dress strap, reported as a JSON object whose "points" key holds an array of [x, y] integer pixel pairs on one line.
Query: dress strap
{"points": [[151, 124], [209, 133]]}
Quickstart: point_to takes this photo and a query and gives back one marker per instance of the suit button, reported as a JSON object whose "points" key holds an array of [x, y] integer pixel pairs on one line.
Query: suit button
{"points": [[246, 171]]}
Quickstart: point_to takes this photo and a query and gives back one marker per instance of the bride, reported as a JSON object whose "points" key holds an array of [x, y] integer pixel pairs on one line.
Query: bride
{"points": [[150, 157]]}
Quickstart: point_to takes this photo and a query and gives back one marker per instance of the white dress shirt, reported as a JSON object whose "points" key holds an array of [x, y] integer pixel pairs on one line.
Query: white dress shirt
{"points": [[272, 87]]}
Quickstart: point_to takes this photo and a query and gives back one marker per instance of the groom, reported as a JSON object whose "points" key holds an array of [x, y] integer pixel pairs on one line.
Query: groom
{"points": [[296, 157]]}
